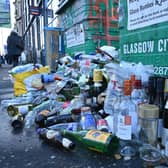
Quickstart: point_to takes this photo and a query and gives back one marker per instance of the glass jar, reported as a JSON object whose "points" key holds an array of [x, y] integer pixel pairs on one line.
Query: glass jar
{"points": [[148, 121]]}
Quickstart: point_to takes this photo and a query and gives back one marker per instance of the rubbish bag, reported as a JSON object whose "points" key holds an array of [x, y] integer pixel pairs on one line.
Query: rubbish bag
{"points": [[23, 82]]}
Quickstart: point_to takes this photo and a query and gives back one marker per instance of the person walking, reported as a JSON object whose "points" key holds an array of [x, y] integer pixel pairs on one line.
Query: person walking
{"points": [[15, 46]]}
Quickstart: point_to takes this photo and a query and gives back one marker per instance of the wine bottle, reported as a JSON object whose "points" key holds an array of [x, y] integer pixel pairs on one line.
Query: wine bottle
{"points": [[159, 101], [55, 137], [95, 140], [152, 89], [42, 116], [165, 116], [17, 121], [46, 122]]}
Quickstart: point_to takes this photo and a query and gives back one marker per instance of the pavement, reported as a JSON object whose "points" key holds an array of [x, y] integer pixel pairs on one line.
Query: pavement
{"points": [[24, 149]]}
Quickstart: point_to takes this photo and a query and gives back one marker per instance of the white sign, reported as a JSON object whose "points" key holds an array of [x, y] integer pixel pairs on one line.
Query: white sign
{"points": [[143, 13], [75, 36]]}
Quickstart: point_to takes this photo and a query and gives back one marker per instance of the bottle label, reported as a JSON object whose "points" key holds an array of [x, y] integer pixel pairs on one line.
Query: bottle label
{"points": [[97, 136], [51, 134], [23, 109], [66, 142], [97, 75], [88, 122], [124, 127]]}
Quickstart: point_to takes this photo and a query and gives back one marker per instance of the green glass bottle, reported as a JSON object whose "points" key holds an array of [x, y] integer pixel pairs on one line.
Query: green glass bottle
{"points": [[22, 109], [95, 140]]}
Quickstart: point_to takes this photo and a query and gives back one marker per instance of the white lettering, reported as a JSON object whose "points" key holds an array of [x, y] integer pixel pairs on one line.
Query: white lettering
{"points": [[125, 49], [135, 48], [144, 47], [162, 45], [131, 48], [150, 46], [140, 47]]}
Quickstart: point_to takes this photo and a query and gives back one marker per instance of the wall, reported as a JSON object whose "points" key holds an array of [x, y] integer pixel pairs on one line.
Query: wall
{"points": [[143, 33], [91, 22]]}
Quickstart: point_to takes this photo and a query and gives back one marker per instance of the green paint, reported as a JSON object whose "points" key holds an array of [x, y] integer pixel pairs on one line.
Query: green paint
{"points": [[148, 44]]}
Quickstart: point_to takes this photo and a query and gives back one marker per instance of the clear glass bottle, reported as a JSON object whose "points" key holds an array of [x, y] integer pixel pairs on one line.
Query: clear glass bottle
{"points": [[110, 96], [116, 109], [127, 118]]}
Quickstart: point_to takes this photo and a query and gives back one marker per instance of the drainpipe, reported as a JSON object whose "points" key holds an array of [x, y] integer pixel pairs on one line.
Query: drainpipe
{"points": [[45, 19]]}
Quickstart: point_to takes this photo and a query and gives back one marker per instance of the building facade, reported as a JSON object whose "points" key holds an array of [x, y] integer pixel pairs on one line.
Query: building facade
{"points": [[33, 19]]}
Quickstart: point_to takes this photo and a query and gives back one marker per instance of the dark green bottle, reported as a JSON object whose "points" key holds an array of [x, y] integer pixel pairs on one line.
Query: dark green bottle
{"points": [[95, 140]]}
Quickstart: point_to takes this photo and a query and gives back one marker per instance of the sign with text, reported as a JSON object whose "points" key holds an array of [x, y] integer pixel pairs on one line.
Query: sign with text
{"points": [[143, 13], [75, 36], [5, 19], [34, 10]]}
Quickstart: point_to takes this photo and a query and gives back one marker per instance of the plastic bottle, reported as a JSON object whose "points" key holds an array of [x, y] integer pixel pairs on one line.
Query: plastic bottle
{"points": [[72, 126], [87, 120], [30, 118], [95, 140]]}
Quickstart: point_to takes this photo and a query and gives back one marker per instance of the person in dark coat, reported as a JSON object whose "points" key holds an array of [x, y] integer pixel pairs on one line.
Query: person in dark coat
{"points": [[15, 46]]}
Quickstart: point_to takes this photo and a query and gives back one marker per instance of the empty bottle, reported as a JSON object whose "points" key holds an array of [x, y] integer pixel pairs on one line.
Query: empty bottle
{"points": [[95, 140], [128, 117], [22, 109], [55, 137], [17, 121]]}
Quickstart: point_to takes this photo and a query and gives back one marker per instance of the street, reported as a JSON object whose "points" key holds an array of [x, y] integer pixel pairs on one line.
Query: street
{"points": [[24, 149]]}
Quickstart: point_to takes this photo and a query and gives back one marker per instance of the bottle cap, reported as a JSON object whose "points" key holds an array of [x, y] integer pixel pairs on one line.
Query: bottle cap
{"points": [[127, 87]]}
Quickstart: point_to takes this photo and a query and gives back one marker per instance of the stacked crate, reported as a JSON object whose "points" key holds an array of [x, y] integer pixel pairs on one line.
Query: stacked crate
{"points": [[89, 24]]}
